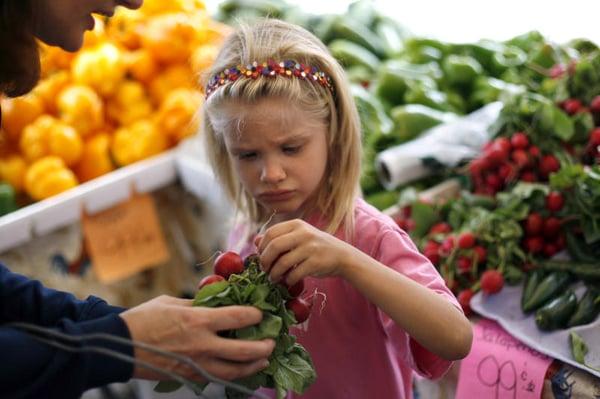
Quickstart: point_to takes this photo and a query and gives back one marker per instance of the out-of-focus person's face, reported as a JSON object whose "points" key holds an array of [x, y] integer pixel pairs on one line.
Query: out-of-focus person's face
{"points": [[63, 23]]}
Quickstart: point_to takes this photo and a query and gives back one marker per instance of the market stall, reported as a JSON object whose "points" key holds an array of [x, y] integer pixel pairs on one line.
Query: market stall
{"points": [[485, 152]]}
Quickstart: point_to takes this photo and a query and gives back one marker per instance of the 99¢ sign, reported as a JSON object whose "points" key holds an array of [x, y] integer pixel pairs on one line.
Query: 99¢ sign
{"points": [[500, 367]]}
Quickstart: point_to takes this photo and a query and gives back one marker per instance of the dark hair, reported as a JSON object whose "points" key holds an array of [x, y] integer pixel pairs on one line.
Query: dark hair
{"points": [[19, 55]]}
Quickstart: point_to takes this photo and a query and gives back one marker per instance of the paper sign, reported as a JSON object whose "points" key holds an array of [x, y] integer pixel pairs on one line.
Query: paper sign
{"points": [[125, 239], [500, 367]]}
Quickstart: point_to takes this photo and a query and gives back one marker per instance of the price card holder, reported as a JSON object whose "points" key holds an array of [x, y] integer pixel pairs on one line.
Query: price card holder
{"points": [[125, 239], [500, 367]]}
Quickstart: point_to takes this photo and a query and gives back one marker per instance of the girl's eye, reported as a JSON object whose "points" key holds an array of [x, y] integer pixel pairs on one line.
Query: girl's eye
{"points": [[291, 149], [247, 156]]}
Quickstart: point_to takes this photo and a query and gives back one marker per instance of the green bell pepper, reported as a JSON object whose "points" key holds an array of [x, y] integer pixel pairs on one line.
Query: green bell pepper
{"points": [[347, 28], [7, 199], [392, 36], [461, 70], [412, 119], [371, 111], [394, 77], [351, 54], [418, 93]]}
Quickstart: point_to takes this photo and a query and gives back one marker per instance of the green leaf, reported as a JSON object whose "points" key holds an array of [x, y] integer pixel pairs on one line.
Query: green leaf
{"points": [[555, 121], [269, 327], [259, 298], [579, 349], [424, 216], [209, 291], [294, 373]]}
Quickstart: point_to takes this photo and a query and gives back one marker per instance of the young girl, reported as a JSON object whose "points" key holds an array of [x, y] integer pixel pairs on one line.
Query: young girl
{"points": [[283, 136]]}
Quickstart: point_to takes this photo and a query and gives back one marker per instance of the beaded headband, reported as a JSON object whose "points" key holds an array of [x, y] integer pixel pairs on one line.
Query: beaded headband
{"points": [[269, 69]]}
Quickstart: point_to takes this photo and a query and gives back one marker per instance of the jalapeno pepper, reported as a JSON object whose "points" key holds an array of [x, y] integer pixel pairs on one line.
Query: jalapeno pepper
{"points": [[7, 199], [534, 278], [557, 312], [548, 288], [588, 308]]}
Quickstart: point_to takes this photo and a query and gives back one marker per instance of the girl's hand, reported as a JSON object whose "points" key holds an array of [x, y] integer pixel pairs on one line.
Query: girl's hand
{"points": [[299, 249]]}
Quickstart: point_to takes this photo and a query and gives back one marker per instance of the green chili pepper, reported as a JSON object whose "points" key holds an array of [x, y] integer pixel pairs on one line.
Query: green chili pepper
{"points": [[587, 308], [548, 288], [347, 28], [394, 77], [7, 199], [534, 278], [589, 272], [419, 93], [372, 113], [392, 36], [557, 312], [413, 119]]}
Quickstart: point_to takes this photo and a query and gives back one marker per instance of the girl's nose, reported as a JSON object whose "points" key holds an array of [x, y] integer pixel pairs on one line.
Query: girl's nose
{"points": [[272, 172]]}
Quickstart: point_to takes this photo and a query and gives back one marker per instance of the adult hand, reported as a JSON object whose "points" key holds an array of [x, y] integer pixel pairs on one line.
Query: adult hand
{"points": [[172, 324], [295, 249]]}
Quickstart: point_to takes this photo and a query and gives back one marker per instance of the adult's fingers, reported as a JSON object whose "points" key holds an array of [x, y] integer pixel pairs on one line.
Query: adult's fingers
{"points": [[230, 370], [238, 350], [232, 317]]}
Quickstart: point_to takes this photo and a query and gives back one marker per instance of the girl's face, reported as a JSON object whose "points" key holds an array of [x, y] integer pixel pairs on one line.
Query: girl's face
{"points": [[62, 23], [280, 155]]}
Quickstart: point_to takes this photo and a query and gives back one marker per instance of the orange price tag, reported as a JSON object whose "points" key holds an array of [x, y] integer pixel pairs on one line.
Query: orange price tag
{"points": [[125, 239]]}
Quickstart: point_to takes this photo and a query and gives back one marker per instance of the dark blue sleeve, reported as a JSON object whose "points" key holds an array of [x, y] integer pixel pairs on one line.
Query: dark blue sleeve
{"points": [[31, 369]]}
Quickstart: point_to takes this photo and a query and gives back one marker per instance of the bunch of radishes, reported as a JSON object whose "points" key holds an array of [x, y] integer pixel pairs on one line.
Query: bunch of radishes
{"points": [[230, 262], [508, 159], [543, 235]]}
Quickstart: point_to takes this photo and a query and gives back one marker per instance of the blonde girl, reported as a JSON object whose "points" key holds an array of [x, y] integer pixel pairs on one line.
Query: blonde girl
{"points": [[283, 136]]}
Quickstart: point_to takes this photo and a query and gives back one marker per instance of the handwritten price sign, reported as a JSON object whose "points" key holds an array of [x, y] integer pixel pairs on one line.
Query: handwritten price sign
{"points": [[500, 367]]}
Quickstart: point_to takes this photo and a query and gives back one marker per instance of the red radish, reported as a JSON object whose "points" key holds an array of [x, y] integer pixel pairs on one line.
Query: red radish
{"points": [[494, 181], [528, 176], [491, 281], [466, 240], [551, 227], [519, 140], [595, 136], [228, 263], [464, 264], [557, 71], [496, 154], [464, 299], [477, 166], [595, 105], [534, 244], [520, 158], [503, 143], [506, 172], [406, 211], [549, 164], [409, 225], [534, 224], [572, 106], [550, 249], [440, 228], [560, 242], [447, 246], [481, 253], [296, 289], [300, 307], [554, 201], [210, 279], [534, 151]]}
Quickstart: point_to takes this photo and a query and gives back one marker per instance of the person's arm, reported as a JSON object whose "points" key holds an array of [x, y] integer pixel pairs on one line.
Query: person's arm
{"points": [[30, 368]]}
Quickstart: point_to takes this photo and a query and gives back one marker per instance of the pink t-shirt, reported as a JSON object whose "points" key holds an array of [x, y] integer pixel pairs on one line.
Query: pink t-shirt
{"points": [[358, 351]]}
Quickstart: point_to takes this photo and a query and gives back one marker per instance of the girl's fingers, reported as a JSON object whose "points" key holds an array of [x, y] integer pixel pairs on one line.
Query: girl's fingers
{"points": [[277, 248], [274, 232], [286, 263]]}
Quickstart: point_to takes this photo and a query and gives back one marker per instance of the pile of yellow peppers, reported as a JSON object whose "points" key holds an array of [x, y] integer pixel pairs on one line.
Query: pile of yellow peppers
{"points": [[131, 92]]}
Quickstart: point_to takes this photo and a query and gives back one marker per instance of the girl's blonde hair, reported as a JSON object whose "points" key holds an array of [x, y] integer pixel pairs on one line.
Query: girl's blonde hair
{"points": [[276, 40]]}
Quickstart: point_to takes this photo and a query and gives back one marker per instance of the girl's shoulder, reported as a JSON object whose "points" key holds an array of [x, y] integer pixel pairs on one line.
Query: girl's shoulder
{"points": [[367, 216]]}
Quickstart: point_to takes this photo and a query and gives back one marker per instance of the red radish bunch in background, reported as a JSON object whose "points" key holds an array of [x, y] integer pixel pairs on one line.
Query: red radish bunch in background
{"points": [[509, 159]]}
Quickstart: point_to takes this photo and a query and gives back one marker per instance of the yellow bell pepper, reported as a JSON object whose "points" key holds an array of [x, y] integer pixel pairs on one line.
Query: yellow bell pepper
{"points": [[203, 57], [176, 114], [48, 176], [82, 108], [124, 28], [136, 142], [54, 59], [96, 159], [12, 171], [168, 37], [174, 77], [141, 66], [102, 68], [129, 103], [49, 88], [49, 136], [96, 36], [155, 7], [19, 112]]}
